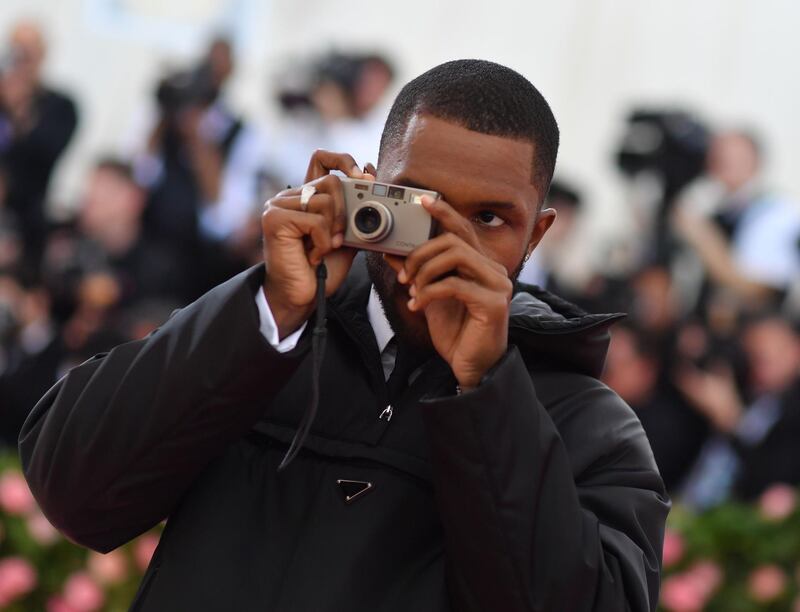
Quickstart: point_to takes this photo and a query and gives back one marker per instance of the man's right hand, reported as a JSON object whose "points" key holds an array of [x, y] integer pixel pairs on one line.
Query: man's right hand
{"points": [[295, 242]]}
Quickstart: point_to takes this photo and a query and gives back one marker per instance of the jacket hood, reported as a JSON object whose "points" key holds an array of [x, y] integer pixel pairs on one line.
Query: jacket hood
{"points": [[549, 331], [552, 332]]}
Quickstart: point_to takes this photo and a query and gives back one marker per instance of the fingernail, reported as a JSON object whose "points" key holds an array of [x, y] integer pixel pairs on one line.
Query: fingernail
{"points": [[412, 304], [427, 201], [337, 241], [356, 170], [402, 276], [412, 290]]}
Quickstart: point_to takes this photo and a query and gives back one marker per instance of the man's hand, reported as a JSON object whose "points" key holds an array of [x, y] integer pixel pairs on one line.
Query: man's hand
{"points": [[295, 242], [463, 293], [713, 394]]}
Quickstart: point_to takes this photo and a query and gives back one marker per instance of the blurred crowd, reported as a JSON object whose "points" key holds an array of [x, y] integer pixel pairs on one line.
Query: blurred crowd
{"points": [[173, 212], [709, 356]]}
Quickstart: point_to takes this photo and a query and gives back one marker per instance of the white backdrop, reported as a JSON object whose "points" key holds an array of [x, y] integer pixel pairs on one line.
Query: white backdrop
{"points": [[732, 61]]}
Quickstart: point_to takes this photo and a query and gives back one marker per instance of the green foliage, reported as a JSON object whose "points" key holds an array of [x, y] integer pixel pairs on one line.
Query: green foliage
{"points": [[753, 549], [25, 536]]}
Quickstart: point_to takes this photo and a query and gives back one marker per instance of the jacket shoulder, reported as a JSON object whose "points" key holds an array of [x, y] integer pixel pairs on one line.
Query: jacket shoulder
{"points": [[599, 430]]}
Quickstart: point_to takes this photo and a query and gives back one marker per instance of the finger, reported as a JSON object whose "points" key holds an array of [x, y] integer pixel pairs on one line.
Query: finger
{"points": [[480, 301], [395, 262], [278, 223], [322, 162], [449, 220], [370, 172], [430, 249], [333, 186], [461, 260], [327, 201]]}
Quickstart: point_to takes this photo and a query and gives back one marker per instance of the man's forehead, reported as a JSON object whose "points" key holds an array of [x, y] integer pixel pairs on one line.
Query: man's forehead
{"points": [[445, 152]]}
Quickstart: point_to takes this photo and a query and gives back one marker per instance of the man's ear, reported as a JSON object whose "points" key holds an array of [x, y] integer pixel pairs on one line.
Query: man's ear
{"points": [[544, 220]]}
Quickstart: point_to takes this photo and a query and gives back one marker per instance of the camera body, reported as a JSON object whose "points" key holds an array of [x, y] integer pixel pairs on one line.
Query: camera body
{"points": [[386, 218]]}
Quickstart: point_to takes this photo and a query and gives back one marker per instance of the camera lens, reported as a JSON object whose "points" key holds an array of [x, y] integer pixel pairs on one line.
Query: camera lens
{"points": [[372, 222], [368, 219]]}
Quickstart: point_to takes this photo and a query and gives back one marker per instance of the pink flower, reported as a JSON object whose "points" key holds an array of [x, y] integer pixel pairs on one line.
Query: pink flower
{"points": [[777, 502], [707, 576], [143, 550], [41, 530], [58, 604], [673, 547], [82, 593], [15, 496], [766, 583], [680, 593], [111, 568], [17, 577]]}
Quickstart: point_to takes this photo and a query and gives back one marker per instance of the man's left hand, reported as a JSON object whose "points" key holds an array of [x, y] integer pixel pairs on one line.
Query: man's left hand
{"points": [[463, 293]]}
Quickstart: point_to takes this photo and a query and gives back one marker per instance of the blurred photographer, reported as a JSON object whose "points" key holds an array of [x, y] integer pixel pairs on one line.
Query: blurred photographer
{"points": [[746, 237], [335, 102], [36, 125], [200, 163]]}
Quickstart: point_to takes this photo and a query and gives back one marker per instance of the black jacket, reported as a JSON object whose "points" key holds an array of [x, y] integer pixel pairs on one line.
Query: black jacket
{"points": [[536, 491]]}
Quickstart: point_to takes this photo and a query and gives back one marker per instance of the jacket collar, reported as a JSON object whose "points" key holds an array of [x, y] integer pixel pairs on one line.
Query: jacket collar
{"points": [[550, 332]]}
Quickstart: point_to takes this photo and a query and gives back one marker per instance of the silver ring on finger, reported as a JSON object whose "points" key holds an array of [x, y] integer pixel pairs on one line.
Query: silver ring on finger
{"points": [[305, 196]]}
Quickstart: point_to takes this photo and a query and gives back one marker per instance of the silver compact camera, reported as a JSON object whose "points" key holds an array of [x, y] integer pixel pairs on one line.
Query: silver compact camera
{"points": [[386, 218]]}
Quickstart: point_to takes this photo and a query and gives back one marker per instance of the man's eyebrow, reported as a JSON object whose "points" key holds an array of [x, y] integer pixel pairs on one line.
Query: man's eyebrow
{"points": [[482, 204], [498, 205]]}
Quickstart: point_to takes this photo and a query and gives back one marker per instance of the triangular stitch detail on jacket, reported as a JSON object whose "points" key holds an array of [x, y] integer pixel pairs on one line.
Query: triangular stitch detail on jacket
{"points": [[353, 489]]}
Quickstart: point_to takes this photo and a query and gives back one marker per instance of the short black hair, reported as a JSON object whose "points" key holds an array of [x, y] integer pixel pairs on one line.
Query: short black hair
{"points": [[117, 166], [484, 97]]}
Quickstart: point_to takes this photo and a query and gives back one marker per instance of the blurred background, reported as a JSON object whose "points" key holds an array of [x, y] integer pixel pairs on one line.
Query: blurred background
{"points": [[139, 139]]}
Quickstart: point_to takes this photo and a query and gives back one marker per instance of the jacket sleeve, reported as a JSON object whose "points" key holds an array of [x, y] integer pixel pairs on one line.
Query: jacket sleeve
{"points": [[544, 518], [112, 447]]}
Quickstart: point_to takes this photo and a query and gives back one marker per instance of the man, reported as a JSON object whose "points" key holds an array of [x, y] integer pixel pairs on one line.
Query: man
{"points": [[500, 475], [747, 239], [753, 441], [36, 125], [109, 239]]}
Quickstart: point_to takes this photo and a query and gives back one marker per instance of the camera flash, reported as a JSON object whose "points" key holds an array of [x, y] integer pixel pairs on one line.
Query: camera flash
{"points": [[416, 199]]}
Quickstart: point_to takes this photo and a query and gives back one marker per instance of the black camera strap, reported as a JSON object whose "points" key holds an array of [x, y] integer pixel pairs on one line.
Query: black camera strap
{"points": [[319, 336]]}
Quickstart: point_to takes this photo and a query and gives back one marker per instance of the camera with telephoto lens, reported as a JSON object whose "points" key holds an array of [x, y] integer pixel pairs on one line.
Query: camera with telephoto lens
{"points": [[181, 90], [386, 218]]}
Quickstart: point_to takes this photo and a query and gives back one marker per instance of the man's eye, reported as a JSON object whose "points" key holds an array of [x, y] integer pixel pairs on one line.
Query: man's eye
{"points": [[489, 219]]}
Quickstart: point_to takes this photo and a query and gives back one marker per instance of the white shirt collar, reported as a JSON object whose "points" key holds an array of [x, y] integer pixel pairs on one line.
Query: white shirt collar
{"points": [[377, 319]]}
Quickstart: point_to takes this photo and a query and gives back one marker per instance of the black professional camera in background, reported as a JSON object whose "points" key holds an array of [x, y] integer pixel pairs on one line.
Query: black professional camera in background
{"points": [[669, 146], [296, 84], [185, 89]]}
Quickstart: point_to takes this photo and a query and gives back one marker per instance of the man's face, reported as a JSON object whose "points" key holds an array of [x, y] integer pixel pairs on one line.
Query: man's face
{"points": [[732, 161], [773, 351], [487, 179]]}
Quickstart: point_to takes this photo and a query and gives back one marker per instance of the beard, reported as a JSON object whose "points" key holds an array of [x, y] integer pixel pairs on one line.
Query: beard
{"points": [[411, 328]]}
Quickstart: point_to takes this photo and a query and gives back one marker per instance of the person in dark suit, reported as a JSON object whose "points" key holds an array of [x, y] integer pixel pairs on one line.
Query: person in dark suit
{"points": [[754, 431], [464, 454], [36, 125]]}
